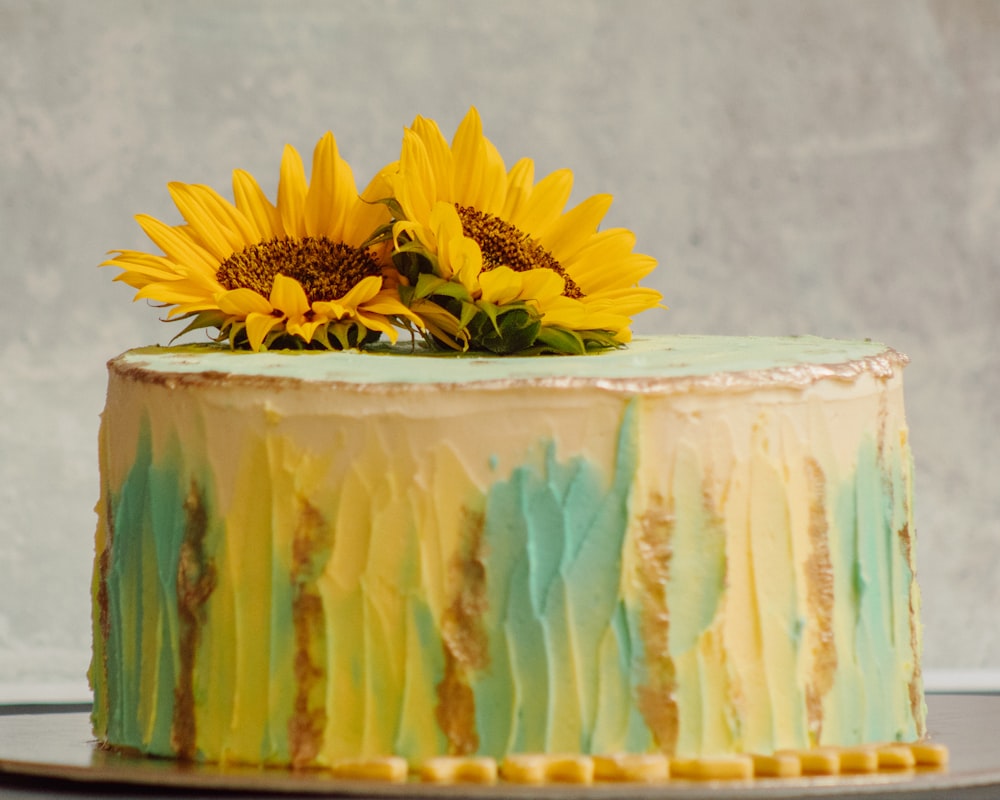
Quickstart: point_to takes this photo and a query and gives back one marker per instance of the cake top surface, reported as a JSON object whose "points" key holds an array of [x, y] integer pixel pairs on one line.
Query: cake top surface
{"points": [[794, 360]]}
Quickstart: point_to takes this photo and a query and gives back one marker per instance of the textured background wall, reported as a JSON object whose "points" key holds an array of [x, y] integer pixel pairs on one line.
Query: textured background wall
{"points": [[824, 167]]}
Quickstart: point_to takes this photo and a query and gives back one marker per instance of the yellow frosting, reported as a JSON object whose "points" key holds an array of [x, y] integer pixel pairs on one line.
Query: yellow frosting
{"points": [[700, 547]]}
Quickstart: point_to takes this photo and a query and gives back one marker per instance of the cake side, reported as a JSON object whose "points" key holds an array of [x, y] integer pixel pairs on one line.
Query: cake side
{"points": [[696, 563]]}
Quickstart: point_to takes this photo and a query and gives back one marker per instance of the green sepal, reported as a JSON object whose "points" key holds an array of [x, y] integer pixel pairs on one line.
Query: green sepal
{"points": [[560, 340], [468, 311], [428, 285], [201, 319], [411, 260], [383, 233], [504, 330]]}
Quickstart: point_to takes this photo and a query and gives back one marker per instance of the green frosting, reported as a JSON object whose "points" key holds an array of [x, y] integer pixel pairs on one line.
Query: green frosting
{"points": [[661, 357]]}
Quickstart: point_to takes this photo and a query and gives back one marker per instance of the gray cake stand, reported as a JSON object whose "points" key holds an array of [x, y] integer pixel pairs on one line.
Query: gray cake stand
{"points": [[53, 755]]}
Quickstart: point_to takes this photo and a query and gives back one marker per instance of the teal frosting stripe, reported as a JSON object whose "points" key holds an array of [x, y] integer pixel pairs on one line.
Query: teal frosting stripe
{"points": [[870, 513], [149, 527], [128, 510], [166, 504], [874, 633], [555, 534], [848, 691]]}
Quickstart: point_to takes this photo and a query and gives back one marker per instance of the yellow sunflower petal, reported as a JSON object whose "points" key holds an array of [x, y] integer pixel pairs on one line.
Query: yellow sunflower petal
{"points": [[593, 274], [168, 292], [332, 192], [288, 296], [368, 214], [632, 300], [493, 194], [466, 260], [415, 230], [243, 302], [470, 161], [217, 224], [178, 246], [519, 185], [253, 203], [139, 279], [305, 329], [332, 309], [203, 225], [415, 185], [545, 203], [566, 235], [601, 259], [238, 229], [387, 304], [292, 190], [363, 291], [565, 312], [258, 327], [149, 266], [378, 323], [542, 284], [501, 285], [190, 308], [319, 208], [439, 157], [166, 269]]}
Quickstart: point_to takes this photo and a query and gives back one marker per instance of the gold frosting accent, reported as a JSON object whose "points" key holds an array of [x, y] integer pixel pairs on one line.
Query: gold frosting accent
{"points": [[656, 696], [820, 599], [195, 583], [310, 543], [916, 685], [464, 639], [105, 539]]}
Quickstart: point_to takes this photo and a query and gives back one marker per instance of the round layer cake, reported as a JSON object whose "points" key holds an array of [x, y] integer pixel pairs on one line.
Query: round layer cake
{"points": [[695, 545]]}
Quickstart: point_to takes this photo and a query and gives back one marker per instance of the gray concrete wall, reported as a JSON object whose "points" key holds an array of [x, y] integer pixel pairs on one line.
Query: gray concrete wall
{"points": [[797, 167]]}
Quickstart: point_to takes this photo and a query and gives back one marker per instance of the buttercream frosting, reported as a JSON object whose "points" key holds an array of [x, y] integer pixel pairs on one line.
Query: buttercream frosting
{"points": [[696, 545]]}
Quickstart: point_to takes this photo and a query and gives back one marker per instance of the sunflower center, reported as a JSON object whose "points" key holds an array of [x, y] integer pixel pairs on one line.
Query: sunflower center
{"points": [[326, 269], [503, 245]]}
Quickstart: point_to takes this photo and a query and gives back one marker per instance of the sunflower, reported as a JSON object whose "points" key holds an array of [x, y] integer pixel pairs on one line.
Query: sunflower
{"points": [[505, 267], [296, 274]]}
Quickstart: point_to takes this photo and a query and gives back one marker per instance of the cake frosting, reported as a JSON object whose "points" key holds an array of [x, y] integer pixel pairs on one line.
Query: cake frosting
{"points": [[695, 546]]}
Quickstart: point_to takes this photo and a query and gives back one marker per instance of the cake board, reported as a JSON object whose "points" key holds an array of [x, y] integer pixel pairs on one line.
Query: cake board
{"points": [[53, 755]]}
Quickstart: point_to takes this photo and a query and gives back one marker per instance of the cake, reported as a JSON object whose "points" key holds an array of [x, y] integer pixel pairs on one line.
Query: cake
{"points": [[696, 545], [511, 536]]}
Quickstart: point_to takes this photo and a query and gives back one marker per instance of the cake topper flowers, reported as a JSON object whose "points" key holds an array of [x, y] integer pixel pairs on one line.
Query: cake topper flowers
{"points": [[292, 275], [490, 259], [444, 243]]}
